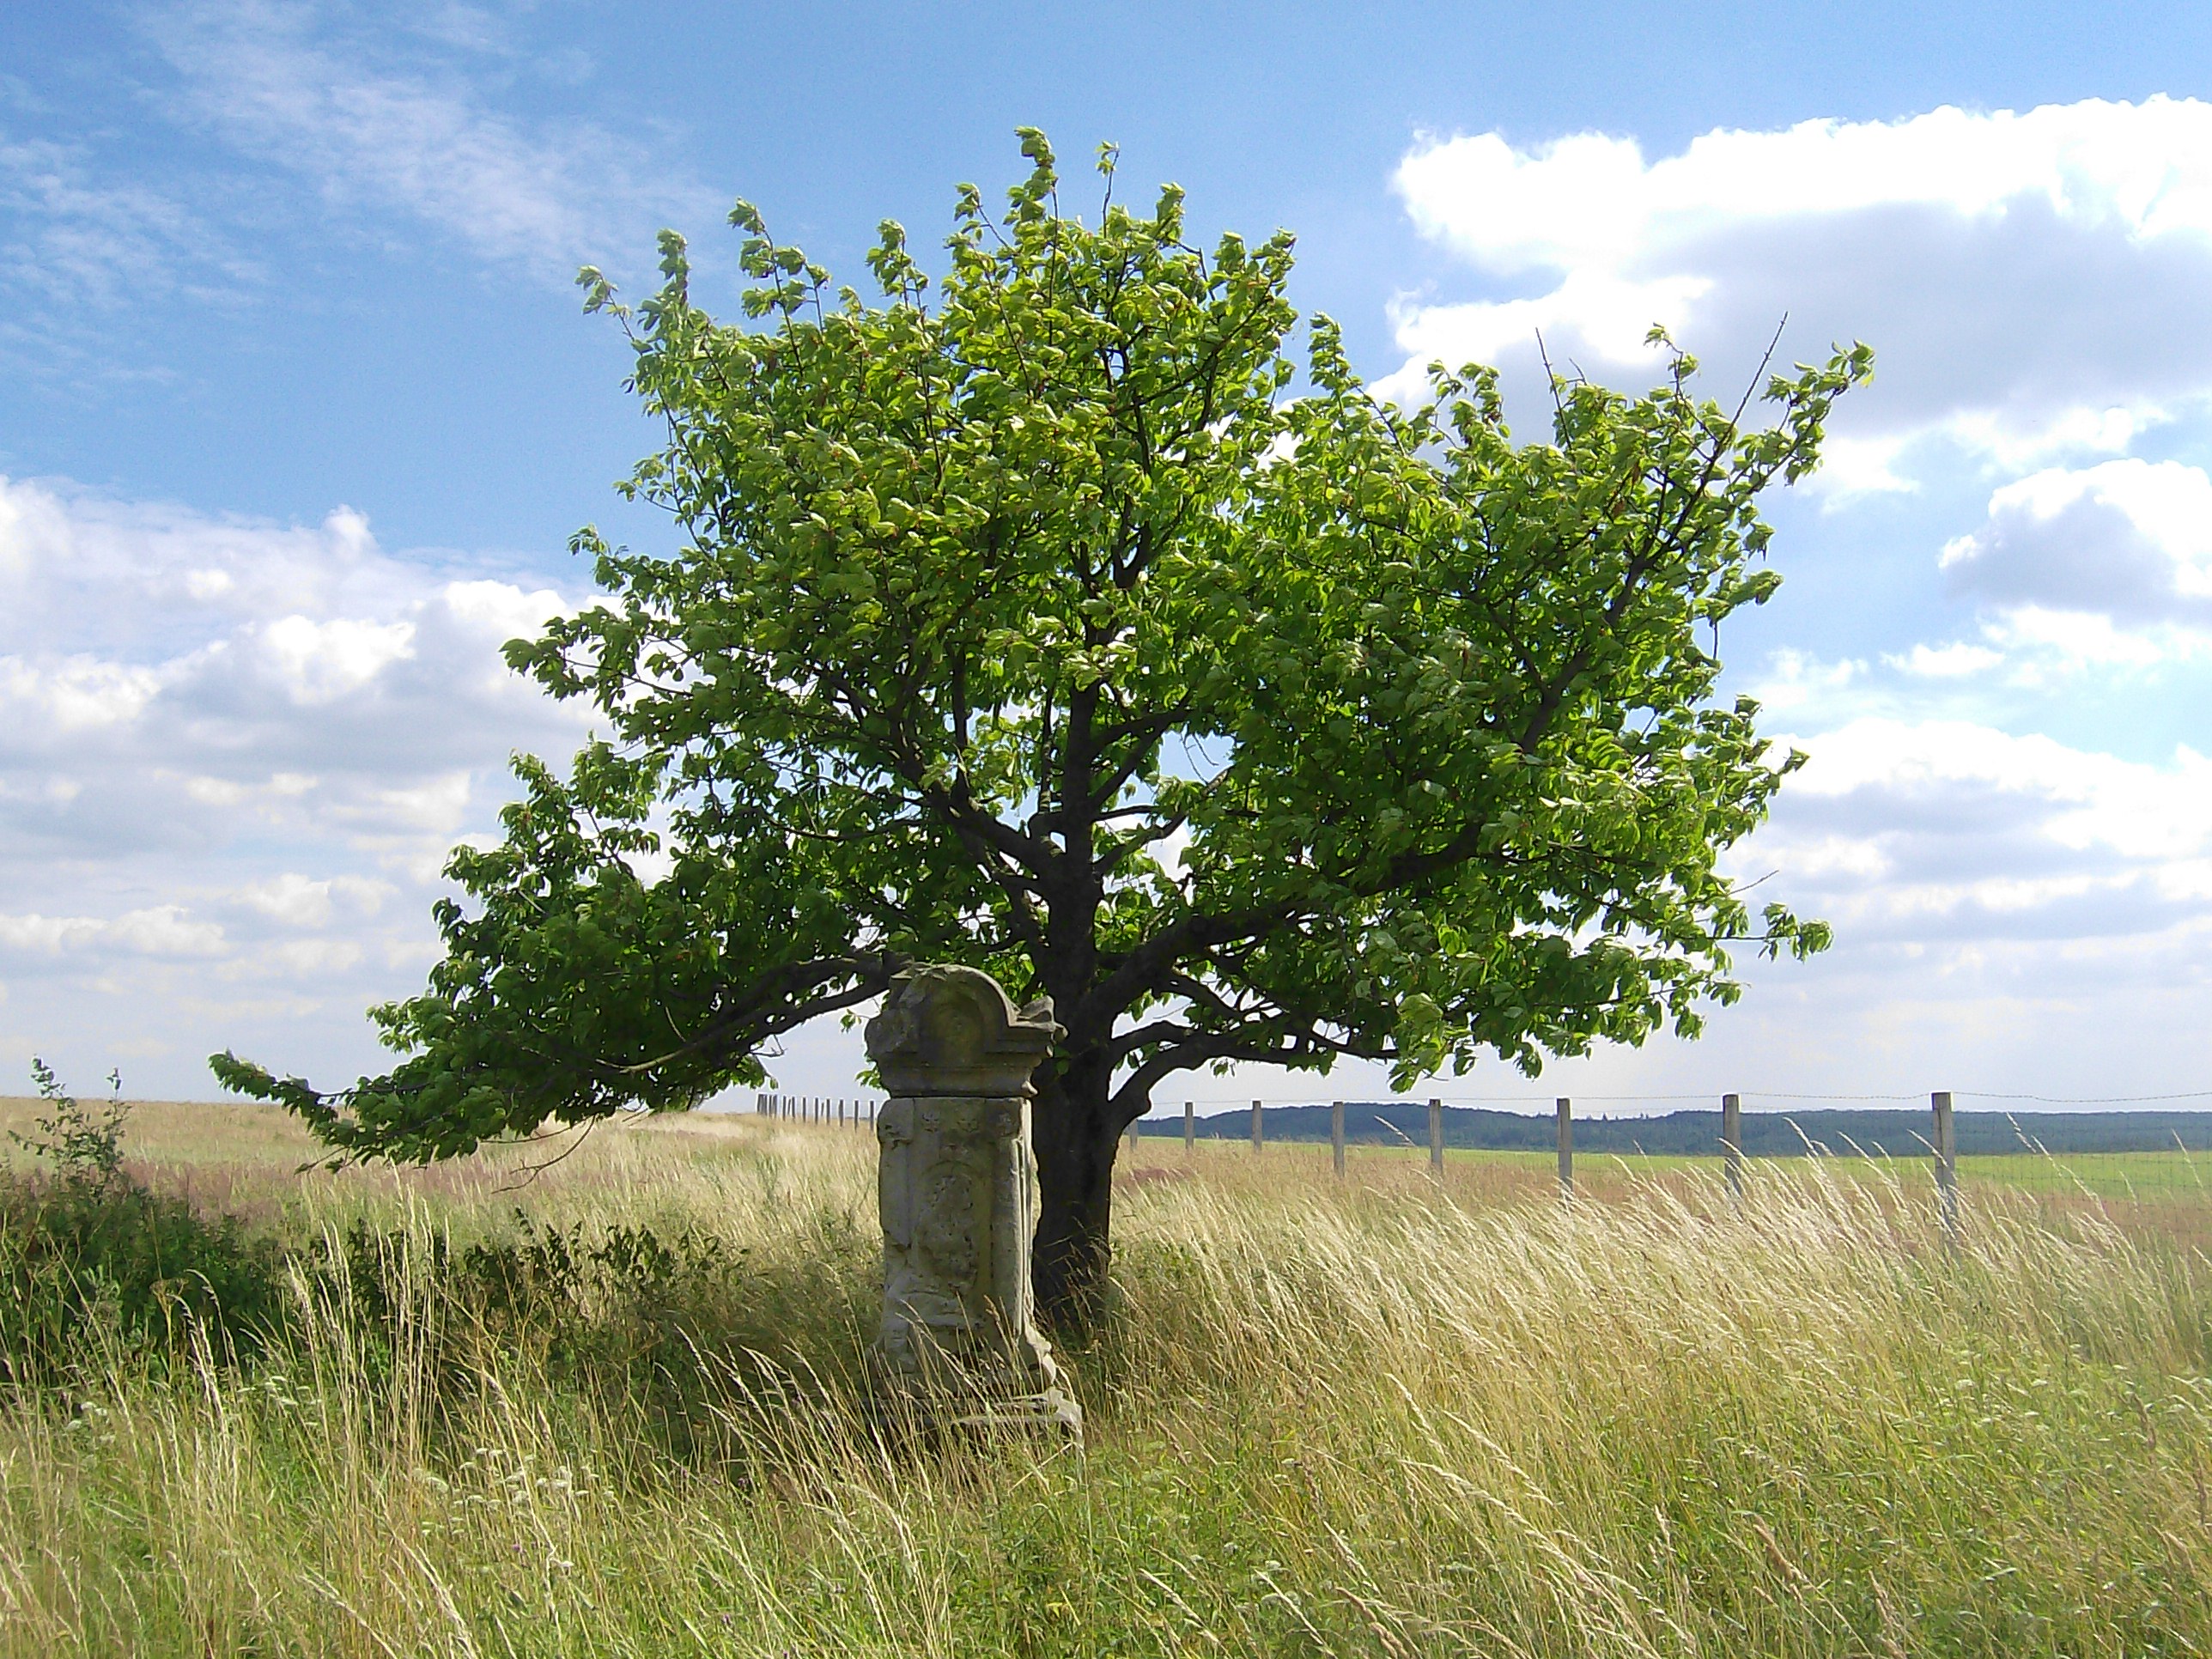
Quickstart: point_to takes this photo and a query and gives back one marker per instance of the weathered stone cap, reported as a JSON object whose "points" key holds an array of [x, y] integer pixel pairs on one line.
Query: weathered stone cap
{"points": [[946, 1030]]}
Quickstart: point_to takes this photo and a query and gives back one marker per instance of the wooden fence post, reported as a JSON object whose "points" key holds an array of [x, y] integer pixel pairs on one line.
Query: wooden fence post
{"points": [[1732, 1144], [1336, 1135], [1566, 1111], [1436, 1136], [1947, 1162], [1256, 1126], [1189, 1127]]}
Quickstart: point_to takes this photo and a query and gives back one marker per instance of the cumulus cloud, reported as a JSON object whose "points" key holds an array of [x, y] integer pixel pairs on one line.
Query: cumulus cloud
{"points": [[1795, 678], [2128, 539], [1945, 776], [238, 751], [1589, 199], [1947, 662], [162, 930], [2011, 912], [2033, 280]]}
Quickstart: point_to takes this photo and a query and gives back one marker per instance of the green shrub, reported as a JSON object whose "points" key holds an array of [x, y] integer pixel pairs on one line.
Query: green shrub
{"points": [[91, 1260]]}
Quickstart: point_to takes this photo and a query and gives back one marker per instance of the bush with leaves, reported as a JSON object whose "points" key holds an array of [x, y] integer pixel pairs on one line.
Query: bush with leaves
{"points": [[92, 1260]]}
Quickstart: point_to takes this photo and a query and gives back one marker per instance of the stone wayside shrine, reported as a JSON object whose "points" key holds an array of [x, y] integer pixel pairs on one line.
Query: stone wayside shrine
{"points": [[957, 1187]]}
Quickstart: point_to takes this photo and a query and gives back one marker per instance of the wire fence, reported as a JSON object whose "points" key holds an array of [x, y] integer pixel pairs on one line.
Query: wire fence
{"points": [[2148, 1171]]}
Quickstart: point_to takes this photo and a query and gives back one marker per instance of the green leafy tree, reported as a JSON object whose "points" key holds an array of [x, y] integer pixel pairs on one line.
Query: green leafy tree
{"points": [[1026, 619]]}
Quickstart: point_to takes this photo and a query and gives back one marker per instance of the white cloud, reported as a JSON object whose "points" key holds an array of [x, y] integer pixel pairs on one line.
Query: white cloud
{"points": [[299, 901], [1864, 465], [1589, 199], [2076, 431], [261, 774], [76, 240], [1951, 853], [322, 661], [2032, 282], [1795, 679], [2127, 538], [78, 691], [1590, 313], [1914, 788], [164, 930], [2011, 912], [421, 140], [1949, 662], [2044, 643]]}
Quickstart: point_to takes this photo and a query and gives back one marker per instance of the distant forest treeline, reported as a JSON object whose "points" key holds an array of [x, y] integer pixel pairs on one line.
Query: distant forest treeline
{"points": [[1897, 1132]]}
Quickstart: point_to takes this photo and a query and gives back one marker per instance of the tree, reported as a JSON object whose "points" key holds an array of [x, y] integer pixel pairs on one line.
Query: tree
{"points": [[1028, 620]]}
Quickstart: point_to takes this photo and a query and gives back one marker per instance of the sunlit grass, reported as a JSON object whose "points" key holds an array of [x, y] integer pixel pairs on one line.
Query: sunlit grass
{"points": [[1391, 1417]]}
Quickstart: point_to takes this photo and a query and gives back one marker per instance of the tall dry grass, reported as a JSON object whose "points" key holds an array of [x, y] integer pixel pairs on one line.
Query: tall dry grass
{"points": [[1393, 1419]]}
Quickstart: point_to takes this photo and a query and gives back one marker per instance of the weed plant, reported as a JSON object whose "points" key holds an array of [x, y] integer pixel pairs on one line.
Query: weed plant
{"points": [[1389, 1418], [91, 1259]]}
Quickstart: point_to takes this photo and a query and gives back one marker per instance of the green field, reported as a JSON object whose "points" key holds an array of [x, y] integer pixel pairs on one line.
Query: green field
{"points": [[1395, 1417]]}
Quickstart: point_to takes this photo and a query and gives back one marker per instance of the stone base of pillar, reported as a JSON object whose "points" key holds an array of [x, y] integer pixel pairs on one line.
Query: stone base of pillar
{"points": [[1051, 1414], [1046, 1421]]}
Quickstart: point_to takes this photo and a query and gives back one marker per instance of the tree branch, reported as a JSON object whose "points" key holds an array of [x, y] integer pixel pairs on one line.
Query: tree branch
{"points": [[1185, 1049], [775, 1003]]}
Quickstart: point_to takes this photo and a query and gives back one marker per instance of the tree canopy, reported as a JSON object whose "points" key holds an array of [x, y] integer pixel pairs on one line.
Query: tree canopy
{"points": [[1042, 618]]}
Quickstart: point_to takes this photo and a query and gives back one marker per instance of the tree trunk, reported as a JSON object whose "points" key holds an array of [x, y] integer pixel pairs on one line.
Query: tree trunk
{"points": [[1076, 1137]]}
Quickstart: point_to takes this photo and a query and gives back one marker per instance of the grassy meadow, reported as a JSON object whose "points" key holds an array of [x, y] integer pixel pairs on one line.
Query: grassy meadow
{"points": [[616, 1404]]}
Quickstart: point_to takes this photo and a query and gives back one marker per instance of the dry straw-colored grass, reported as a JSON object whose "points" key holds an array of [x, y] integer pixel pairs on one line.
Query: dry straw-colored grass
{"points": [[1395, 1418]]}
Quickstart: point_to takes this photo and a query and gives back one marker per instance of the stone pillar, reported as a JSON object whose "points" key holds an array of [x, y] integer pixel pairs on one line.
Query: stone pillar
{"points": [[957, 1189]]}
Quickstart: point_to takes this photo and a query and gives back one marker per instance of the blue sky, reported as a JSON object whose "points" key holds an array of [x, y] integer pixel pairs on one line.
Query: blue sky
{"points": [[298, 410]]}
